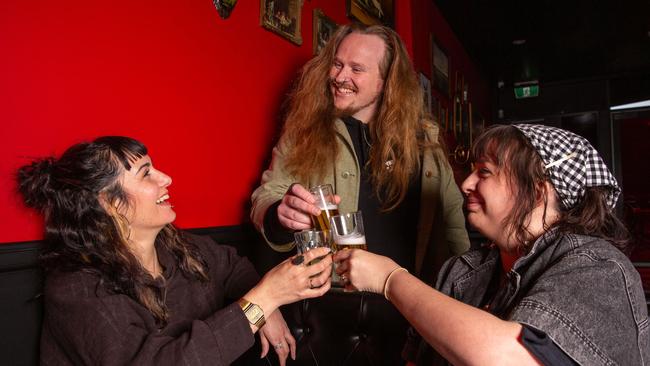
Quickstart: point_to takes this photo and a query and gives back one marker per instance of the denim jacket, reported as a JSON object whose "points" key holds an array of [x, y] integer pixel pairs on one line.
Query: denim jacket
{"points": [[580, 290]]}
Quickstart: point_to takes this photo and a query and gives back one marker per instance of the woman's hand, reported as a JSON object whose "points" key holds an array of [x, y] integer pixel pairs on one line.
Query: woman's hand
{"points": [[276, 333], [363, 270], [293, 280]]}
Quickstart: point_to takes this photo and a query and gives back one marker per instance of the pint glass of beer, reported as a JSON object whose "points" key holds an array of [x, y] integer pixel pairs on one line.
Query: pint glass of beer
{"points": [[347, 231], [324, 196]]}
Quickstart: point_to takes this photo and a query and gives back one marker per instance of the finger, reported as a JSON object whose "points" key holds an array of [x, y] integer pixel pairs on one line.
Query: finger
{"points": [[342, 267], [337, 199], [292, 345], [299, 191], [282, 353], [341, 255], [321, 290], [295, 210], [265, 346], [310, 255], [322, 278], [297, 203]]}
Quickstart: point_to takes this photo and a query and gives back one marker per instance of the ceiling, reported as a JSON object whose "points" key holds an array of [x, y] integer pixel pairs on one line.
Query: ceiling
{"points": [[554, 40]]}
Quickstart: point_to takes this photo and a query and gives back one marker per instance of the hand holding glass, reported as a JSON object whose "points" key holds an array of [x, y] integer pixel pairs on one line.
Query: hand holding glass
{"points": [[347, 231], [309, 239], [324, 196]]}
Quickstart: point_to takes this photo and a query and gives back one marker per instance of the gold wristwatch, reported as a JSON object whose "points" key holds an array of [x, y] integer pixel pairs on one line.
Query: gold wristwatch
{"points": [[253, 312]]}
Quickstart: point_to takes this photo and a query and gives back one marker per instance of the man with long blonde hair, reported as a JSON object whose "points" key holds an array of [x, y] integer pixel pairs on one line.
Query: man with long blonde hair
{"points": [[356, 120]]}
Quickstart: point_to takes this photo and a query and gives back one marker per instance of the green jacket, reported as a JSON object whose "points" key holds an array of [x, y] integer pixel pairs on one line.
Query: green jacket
{"points": [[441, 226]]}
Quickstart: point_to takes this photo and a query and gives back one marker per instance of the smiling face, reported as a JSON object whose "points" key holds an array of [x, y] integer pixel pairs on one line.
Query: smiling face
{"points": [[489, 200], [149, 209], [356, 82]]}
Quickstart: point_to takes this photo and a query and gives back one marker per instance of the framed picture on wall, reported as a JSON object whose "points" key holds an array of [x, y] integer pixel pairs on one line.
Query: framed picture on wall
{"points": [[282, 17], [324, 27], [477, 124], [439, 68], [426, 91], [444, 118], [371, 12]]}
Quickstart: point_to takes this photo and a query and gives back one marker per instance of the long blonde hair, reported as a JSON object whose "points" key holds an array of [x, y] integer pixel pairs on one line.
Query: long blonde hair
{"points": [[397, 130]]}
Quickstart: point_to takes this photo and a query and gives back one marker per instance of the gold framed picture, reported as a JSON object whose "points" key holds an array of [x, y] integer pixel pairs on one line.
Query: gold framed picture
{"points": [[324, 27], [439, 68], [426, 92], [370, 12], [282, 17]]}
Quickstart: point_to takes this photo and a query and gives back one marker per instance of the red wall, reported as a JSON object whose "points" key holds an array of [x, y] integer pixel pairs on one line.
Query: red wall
{"points": [[201, 92]]}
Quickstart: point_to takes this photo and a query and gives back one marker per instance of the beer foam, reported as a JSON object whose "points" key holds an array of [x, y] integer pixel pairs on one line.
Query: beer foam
{"points": [[354, 239], [329, 207]]}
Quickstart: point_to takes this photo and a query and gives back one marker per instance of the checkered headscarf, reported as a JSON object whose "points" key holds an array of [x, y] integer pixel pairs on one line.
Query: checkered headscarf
{"points": [[571, 163]]}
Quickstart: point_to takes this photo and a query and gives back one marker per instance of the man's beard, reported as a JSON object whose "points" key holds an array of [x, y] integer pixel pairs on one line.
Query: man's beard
{"points": [[350, 110], [345, 112]]}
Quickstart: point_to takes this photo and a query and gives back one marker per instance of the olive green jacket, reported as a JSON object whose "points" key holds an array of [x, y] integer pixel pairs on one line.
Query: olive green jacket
{"points": [[441, 226]]}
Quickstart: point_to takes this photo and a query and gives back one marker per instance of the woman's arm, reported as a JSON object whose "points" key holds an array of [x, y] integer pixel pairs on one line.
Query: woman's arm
{"points": [[463, 334]]}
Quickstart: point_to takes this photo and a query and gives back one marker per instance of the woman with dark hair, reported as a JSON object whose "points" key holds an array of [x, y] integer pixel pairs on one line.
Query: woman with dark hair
{"points": [[553, 287], [124, 286]]}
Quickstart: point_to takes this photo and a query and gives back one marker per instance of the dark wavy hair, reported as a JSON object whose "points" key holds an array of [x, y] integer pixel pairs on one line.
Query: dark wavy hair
{"points": [[72, 193], [513, 154]]}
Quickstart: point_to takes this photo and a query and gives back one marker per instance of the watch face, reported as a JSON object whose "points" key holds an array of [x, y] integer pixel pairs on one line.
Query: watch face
{"points": [[255, 313]]}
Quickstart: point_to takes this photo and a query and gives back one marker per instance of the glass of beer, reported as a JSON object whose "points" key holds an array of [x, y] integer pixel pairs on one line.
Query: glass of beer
{"points": [[307, 240], [347, 231], [324, 196]]}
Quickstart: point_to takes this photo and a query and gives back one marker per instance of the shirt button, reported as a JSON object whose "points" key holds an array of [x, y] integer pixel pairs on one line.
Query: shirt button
{"points": [[345, 175], [428, 174]]}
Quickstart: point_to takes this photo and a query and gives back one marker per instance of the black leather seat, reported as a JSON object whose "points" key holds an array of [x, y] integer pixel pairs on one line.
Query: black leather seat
{"points": [[346, 329]]}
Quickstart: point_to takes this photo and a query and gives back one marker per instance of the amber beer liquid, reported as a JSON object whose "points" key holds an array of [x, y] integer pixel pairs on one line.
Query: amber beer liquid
{"points": [[351, 242], [322, 221]]}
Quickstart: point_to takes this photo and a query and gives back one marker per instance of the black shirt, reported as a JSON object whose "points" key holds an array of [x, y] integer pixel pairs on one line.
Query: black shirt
{"points": [[394, 233]]}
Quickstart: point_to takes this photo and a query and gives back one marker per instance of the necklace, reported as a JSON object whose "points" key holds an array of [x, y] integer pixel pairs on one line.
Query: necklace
{"points": [[365, 137]]}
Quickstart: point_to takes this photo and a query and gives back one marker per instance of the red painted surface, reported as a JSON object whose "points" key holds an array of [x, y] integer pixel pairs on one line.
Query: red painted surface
{"points": [[203, 93]]}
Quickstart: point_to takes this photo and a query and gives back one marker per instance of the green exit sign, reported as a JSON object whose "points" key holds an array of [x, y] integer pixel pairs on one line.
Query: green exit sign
{"points": [[528, 91]]}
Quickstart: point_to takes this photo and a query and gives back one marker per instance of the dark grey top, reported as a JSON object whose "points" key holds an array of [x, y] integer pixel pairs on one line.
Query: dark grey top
{"points": [[85, 324]]}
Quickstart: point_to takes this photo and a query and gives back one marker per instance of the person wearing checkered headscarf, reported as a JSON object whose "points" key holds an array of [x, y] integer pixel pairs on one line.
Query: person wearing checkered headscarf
{"points": [[553, 286]]}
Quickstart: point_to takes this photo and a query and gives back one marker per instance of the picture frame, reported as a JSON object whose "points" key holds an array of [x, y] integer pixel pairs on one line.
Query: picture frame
{"points": [[435, 109], [444, 118], [425, 83], [439, 68], [282, 17], [457, 99], [477, 124], [224, 7], [323, 28], [371, 12]]}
